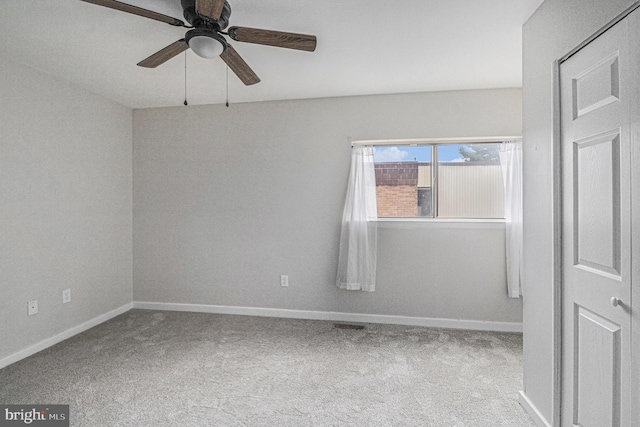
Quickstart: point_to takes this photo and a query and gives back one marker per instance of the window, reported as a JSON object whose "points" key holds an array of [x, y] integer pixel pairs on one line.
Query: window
{"points": [[464, 181]]}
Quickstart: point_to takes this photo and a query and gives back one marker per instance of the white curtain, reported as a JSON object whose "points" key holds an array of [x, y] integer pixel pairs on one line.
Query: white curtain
{"points": [[511, 164], [358, 239]]}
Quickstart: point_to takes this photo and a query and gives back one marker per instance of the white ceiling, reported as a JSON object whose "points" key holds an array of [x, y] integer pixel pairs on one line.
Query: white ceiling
{"points": [[364, 47]]}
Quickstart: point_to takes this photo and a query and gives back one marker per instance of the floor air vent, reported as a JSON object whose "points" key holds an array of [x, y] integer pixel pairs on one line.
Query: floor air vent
{"points": [[347, 326]]}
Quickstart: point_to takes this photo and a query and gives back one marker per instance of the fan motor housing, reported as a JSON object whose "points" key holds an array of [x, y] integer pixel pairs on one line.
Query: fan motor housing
{"points": [[200, 21]]}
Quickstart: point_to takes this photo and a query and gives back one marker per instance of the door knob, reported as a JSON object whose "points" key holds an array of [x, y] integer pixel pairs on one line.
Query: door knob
{"points": [[615, 301]]}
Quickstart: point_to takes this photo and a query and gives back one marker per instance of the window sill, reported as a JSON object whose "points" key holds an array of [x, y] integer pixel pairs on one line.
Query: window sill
{"points": [[440, 223]]}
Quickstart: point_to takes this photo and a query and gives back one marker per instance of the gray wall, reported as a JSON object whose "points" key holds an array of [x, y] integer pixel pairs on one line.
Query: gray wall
{"points": [[557, 27], [65, 210], [227, 199]]}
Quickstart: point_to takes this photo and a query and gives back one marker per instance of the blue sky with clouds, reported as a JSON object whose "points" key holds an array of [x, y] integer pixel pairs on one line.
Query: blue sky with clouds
{"points": [[421, 153]]}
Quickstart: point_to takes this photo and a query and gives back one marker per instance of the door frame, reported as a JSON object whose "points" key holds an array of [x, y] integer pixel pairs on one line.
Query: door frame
{"points": [[557, 312]]}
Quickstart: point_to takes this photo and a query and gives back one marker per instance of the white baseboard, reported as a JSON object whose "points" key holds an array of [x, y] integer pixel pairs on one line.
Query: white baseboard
{"points": [[46, 343], [335, 316], [269, 312], [531, 409]]}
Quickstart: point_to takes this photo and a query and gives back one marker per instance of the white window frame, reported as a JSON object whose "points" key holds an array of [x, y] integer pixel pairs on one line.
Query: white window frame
{"points": [[434, 142]]}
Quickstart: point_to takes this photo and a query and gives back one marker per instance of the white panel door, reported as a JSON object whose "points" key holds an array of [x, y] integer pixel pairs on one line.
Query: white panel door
{"points": [[596, 174]]}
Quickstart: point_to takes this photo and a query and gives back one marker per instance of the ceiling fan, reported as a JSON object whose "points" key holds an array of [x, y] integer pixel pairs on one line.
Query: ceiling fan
{"points": [[208, 19]]}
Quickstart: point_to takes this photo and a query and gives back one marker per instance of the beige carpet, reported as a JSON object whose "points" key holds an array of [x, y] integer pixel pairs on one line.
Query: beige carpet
{"points": [[151, 368]]}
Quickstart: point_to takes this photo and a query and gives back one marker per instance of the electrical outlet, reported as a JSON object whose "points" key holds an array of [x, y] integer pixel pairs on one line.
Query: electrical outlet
{"points": [[66, 296], [32, 307], [284, 280]]}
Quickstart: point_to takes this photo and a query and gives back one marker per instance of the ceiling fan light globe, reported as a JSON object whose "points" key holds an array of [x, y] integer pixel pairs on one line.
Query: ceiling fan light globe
{"points": [[205, 46]]}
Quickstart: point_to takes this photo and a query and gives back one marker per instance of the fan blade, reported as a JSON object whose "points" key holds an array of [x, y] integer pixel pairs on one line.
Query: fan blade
{"points": [[112, 4], [165, 54], [238, 66], [274, 38], [210, 8]]}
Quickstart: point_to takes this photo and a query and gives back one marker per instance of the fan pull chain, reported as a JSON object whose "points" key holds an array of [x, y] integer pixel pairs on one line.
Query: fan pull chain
{"points": [[227, 87], [185, 78]]}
